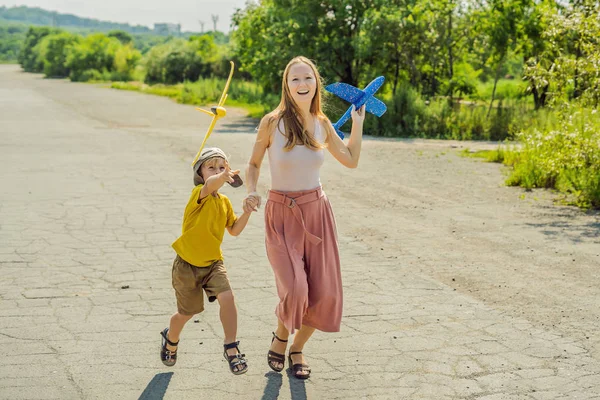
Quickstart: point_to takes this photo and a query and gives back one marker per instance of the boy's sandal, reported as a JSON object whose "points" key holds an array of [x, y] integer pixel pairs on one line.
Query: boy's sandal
{"points": [[168, 357], [298, 368], [237, 360], [274, 358]]}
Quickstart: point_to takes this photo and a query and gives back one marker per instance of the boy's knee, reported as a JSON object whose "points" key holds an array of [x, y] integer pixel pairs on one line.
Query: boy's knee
{"points": [[183, 317]]}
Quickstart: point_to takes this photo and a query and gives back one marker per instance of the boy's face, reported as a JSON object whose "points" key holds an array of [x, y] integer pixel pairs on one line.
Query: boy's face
{"points": [[212, 167]]}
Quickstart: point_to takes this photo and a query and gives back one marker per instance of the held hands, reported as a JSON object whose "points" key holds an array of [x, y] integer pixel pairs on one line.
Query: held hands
{"points": [[358, 116], [251, 202]]}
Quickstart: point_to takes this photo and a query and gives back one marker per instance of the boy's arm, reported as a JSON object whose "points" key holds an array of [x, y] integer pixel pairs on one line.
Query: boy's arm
{"points": [[239, 224]]}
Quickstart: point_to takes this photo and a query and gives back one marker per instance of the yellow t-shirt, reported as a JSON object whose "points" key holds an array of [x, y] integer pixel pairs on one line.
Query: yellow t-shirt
{"points": [[204, 223]]}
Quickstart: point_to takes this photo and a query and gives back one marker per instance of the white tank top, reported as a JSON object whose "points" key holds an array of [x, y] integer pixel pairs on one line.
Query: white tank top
{"points": [[297, 169]]}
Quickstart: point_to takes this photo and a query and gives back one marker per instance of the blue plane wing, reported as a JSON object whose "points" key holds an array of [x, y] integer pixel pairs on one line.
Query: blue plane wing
{"points": [[345, 91]]}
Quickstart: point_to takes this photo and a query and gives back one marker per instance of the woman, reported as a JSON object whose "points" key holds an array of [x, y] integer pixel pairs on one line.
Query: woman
{"points": [[301, 236]]}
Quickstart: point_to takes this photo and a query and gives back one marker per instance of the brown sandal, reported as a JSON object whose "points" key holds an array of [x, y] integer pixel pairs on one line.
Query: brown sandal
{"points": [[237, 363], [273, 357], [296, 368], [168, 357]]}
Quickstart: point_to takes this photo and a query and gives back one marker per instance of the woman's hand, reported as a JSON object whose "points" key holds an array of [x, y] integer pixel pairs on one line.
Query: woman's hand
{"points": [[358, 116]]}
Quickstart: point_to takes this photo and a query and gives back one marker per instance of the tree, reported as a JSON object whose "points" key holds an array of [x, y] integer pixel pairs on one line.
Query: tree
{"points": [[569, 59], [177, 61], [53, 53], [29, 54], [269, 34], [503, 26], [122, 36], [94, 53], [12, 38], [126, 59]]}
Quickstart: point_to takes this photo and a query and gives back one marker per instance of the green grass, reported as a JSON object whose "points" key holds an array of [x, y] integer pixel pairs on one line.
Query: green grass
{"points": [[487, 155], [507, 89], [563, 156], [207, 91], [173, 92]]}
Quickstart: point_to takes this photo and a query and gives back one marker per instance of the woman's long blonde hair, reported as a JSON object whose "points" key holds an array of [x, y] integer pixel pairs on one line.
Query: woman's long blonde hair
{"points": [[288, 110]]}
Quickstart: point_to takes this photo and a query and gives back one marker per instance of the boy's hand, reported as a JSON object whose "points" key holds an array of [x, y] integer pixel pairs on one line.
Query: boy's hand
{"points": [[250, 204], [227, 174]]}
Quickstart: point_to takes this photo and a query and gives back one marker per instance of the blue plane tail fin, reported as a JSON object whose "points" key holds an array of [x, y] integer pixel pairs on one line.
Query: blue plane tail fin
{"points": [[376, 106]]}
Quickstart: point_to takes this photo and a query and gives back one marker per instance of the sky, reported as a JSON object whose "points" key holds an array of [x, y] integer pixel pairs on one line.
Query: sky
{"points": [[188, 13]]}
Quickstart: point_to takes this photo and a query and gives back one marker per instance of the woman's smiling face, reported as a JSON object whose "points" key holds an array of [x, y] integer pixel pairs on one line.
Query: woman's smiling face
{"points": [[302, 83]]}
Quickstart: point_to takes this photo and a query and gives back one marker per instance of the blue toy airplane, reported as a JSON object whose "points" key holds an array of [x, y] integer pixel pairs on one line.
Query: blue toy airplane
{"points": [[358, 97]]}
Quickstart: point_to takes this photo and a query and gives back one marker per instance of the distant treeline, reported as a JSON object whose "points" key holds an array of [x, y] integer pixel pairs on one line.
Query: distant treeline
{"points": [[116, 56], [38, 16]]}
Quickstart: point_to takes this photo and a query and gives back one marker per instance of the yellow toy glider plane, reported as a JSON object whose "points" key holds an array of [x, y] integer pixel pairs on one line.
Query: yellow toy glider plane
{"points": [[216, 112]]}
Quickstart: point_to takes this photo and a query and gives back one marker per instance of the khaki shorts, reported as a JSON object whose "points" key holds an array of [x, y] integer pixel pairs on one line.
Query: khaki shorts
{"points": [[189, 280]]}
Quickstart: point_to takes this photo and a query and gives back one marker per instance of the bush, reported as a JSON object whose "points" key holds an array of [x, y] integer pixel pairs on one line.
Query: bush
{"points": [[126, 60], [29, 55], [53, 51], [506, 89], [179, 61], [409, 115], [12, 38], [95, 52], [565, 156]]}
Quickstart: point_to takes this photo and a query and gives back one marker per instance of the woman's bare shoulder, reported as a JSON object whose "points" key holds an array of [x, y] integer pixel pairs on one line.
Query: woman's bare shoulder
{"points": [[325, 124], [270, 119], [266, 129]]}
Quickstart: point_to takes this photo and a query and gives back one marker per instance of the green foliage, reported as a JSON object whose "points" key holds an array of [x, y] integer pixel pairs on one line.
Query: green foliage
{"points": [[126, 60], [567, 62], [99, 57], [12, 38], [172, 62], [158, 89], [53, 50], [506, 89], [566, 158], [145, 42], [29, 56], [122, 36], [410, 115], [182, 60], [269, 34], [463, 81], [94, 53], [208, 91]]}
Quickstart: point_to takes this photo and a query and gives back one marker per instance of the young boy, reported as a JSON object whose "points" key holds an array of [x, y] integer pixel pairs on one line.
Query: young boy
{"points": [[199, 262]]}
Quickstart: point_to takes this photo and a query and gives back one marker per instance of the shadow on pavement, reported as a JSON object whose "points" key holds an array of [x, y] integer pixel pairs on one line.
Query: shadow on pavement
{"points": [[248, 125], [274, 381], [157, 387], [561, 225], [297, 386]]}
